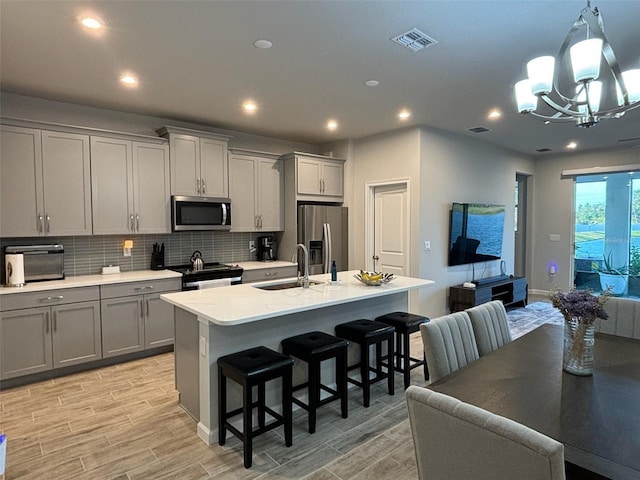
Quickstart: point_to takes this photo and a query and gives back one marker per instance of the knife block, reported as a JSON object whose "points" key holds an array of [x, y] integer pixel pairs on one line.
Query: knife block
{"points": [[157, 261]]}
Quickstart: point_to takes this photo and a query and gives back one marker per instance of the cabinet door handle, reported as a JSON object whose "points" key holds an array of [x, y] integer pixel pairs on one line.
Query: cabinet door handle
{"points": [[137, 222], [47, 223], [198, 185], [55, 321], [147, 287], [141, 310], [51, 299], [204, 187], [40, 225], [46, 322], [147, 308]]}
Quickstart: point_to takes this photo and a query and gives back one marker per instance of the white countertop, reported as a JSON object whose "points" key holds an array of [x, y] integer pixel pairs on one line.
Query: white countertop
{"points": [[237, 304], [92, 280], [259, 265]]}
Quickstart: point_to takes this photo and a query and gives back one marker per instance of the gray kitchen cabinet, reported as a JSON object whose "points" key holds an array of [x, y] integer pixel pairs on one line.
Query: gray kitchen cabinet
{"points": [[199, 163], [129, 186], [256, 191], [63, 331], [269, 273], [44, 183], [134, 317], [320, 177], [122, 325]]}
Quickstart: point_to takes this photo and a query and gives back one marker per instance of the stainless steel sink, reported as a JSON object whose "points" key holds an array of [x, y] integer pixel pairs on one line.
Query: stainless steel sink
{"points": [[285, 285]]}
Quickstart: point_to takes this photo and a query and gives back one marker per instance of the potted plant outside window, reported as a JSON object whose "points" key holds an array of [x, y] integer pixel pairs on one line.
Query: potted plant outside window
{"points": [[613, 278]]}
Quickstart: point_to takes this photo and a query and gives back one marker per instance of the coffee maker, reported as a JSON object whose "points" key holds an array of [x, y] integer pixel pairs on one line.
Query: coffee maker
{"points": [[266, 249]]}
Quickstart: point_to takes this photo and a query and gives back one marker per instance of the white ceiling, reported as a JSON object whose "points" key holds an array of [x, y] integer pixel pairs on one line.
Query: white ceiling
{"points": [[197, 63]]}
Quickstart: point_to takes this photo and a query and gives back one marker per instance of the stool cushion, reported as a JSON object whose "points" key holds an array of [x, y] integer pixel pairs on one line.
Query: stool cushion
{"points": [[255, 362], [312, 343], [402, 321], [363, 330]]}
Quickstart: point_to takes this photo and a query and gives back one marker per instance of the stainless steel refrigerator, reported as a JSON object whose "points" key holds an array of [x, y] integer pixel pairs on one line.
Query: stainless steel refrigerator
{"points": [[323, 229]]}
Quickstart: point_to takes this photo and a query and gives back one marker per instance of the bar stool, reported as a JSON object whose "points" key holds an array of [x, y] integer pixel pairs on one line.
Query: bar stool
{"points": [[249, 368], [314, 348], [405, 324], [366, 333]]}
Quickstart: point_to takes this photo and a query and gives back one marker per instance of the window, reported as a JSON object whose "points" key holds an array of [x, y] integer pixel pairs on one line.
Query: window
{"points": [[607, 232]]}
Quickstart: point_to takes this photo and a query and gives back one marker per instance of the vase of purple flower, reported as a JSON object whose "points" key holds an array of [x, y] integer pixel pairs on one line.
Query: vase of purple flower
{"points": [[580, 309]]}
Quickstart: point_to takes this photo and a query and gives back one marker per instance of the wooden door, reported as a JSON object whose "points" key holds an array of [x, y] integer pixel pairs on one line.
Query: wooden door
{"points": [[270, 193], [76, 333], [25, 342], [185, 164], [21, 202], [242, 190], [66, 183], [214, 168], [111, 186], [151, 192]]}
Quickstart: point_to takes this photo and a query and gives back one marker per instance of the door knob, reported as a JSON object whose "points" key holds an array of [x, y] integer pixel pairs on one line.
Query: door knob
{"points": [[376, 257]]}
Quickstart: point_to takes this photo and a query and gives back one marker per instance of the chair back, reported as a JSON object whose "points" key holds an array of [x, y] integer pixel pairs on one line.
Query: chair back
{"points": [[455, 440], [449, 344], [490, 326]]}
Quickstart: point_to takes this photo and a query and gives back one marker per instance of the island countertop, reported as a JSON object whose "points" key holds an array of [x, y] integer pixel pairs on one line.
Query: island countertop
{"points": [[238, 304]]}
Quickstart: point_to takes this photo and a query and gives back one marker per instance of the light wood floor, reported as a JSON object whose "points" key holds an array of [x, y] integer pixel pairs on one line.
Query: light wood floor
{"points": [[123, 422]]}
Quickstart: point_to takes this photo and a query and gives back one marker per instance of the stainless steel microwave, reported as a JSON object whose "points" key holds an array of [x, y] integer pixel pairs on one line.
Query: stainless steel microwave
{"points": [[200, 213]]}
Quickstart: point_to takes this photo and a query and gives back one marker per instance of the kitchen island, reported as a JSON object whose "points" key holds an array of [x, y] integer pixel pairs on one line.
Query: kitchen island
{"points": [[216, 322]]}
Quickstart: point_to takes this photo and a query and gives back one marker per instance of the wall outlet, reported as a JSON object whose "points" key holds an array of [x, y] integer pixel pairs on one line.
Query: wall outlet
{"points": [[252, 245], [427, 245]]}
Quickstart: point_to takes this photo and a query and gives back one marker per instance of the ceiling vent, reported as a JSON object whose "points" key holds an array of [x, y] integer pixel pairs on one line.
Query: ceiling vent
{"points": [[478, 129], [414, 40], [543, 150]]}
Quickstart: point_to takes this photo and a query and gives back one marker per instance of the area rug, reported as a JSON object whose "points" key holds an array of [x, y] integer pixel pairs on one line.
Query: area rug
{"points": [[523, 320]]}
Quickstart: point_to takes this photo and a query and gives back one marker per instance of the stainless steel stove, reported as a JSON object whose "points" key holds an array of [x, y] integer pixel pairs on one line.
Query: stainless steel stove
{"points": [[213, 274]]}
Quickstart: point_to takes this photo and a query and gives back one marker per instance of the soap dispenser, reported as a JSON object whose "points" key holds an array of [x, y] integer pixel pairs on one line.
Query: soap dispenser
{"points": [[334, 271]]}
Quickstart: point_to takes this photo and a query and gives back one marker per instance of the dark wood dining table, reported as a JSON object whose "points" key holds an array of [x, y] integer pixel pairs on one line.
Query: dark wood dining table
{"points": [[597, 418]]}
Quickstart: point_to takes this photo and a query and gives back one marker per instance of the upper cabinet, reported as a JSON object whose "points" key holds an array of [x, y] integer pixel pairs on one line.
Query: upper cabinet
{"points": [[256, 190], [44, 183], [129, 186], [199, 163], [318, 178]]}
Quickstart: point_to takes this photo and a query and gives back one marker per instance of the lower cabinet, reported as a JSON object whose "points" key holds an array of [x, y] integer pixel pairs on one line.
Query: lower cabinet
{"points": [[46, 337], [134, 319]]}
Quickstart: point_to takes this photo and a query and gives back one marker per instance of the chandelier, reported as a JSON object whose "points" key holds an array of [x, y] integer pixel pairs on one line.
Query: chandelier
{"points": [[585, 89]]}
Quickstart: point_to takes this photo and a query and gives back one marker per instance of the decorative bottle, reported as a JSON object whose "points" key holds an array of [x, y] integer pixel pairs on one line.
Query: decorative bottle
{"points": [[334, 271]]}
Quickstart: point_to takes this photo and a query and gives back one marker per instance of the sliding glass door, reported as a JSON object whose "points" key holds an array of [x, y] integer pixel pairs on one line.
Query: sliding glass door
{"points": [[607, 241]]}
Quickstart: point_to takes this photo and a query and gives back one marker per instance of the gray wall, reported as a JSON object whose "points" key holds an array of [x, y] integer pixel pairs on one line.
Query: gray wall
{"points": [[442, 168], [553, 213]]}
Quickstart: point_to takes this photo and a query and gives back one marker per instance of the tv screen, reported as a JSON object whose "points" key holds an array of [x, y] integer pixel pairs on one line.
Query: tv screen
{"points": [[475, 233]]}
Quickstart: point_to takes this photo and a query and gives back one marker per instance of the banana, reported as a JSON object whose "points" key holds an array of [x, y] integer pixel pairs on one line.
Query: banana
{"points": [[375, 278]]}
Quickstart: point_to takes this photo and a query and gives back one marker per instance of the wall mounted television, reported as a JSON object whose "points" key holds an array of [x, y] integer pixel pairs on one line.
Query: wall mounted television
{"points": [[475, 233]]}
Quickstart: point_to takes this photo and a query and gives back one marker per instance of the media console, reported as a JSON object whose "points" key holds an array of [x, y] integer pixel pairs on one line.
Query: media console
{"points": [[510, 290]]}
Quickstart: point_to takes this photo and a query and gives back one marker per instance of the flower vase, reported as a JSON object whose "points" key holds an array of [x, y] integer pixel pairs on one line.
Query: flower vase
{"points": [[577, 357]]}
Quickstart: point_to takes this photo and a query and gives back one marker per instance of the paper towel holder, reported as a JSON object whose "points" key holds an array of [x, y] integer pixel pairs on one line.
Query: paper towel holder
{"points": [[14, 269]]}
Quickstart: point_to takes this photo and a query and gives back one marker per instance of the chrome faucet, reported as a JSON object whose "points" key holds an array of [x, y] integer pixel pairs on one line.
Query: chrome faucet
{"points": [[304, 281]]}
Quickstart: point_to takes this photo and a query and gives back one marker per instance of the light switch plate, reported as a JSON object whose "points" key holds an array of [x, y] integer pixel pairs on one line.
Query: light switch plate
{"points": [[203, 346]]}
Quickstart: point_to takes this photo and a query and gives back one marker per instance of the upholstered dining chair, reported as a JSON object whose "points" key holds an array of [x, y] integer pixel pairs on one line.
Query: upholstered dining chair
{"points": [[490, 326], [449, 344], [454, 440]]}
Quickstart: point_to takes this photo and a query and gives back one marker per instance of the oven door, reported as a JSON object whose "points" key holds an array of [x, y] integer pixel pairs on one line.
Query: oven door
{"points": [[200, 213]]}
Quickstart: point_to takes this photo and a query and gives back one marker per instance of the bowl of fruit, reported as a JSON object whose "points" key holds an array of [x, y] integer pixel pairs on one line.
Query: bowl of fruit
{"points": [[374, 279]]}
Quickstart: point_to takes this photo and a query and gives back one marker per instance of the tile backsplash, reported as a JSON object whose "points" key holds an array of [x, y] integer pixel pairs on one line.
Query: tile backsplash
{"points": [[86, 255]]}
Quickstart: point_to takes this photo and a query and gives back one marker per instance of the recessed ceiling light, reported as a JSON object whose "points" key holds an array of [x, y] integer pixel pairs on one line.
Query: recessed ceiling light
{"points": [[372, 83], [129, 80], [404, 114], [494, 114], [262, 44], [250, 106], [571, 145], [332, 124], [94, 23]]}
